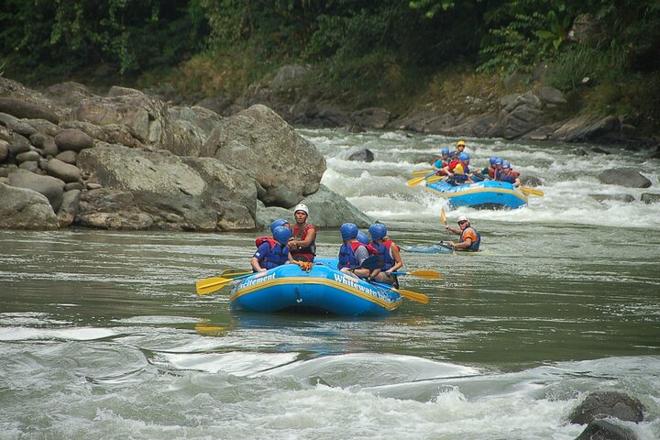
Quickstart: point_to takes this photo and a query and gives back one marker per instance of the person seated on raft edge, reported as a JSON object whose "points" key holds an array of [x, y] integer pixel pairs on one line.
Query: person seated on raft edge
{"points": [[460, 148], [470, 239], [508, 174], [352, 253], [489, 171], [441, 162], [388, 252], [273, 251], [458, 170], [303, 243]]}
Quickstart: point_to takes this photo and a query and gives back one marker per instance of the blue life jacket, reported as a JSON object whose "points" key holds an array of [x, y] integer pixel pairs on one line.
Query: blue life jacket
{"points": [[475, 244], [273, 255], [347, 255], [383, 248]]}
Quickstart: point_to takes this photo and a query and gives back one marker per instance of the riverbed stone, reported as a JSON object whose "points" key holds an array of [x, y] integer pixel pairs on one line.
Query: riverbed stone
{"points": [[650, 198], [625, 198], [68, 156], [602, 404], [73, 139], [30, 165], [17, 125], [371, 117], [63, 170], [25, 109], [4, 150], [28, 155], [106, 208], [50, 187], [18, 144], [23, 208], [627, 177], [606, 430], [359, 155]]}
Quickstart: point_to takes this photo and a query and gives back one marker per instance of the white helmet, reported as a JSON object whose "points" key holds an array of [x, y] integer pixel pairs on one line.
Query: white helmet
{"points": [[462, 218], [301, 207]]}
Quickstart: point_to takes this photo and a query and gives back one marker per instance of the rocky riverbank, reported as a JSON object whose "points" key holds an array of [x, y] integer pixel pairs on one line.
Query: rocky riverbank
{"points": [[131, 161]]}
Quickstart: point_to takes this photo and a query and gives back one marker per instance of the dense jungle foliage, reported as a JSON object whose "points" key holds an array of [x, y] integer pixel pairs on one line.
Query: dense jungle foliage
{"points": [[386, 52]]}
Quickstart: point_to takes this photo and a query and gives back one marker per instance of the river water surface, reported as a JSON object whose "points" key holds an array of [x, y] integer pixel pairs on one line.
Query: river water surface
{"points": [[102, 336]]}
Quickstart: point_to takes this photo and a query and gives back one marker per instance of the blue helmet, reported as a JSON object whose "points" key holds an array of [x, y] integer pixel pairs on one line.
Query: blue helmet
{"points": [[377, 231], [276, 223], [348, 231], [363, 238], [506, 164], [498, 161], [463, 157], [444, 151], [492, 160], [282, 234]]}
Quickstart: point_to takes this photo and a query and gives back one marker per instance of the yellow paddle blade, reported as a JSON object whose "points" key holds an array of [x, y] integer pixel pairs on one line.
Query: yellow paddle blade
{"points": [[210, 285], [531, 191], [434, 179], [424, 172], [416, 181], [413, 296], [428, 274], [443, 216]]}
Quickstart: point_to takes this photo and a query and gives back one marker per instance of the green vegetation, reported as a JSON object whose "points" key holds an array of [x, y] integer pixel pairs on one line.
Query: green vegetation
{"points": [[605, 54]]}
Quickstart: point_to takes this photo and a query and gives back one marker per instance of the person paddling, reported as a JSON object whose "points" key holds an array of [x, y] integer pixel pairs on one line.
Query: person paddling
{"points": [[388, 252], [470, 239], [272, 251]]}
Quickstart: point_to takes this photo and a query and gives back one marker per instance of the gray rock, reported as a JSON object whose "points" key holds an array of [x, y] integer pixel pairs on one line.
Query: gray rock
{"points": [[27, 156], [4, 150], [69, 156], [18, 144], [111, 209], [604, 430], [63, 170], [329, 209], [372, 117], [45, 143], [624, 177], [359, 155], [650, 198], [73, 139], [587, 128], [291, 76], [17, 125], [68, 94], [601, 404], [550, 95], [69, 208], [262, 144], [218, 103], [44, 126], [73, 186], [109, 133], [22, 208], [49, 186], [24, 109], [531, 181], [626, 198], [30, 165]]}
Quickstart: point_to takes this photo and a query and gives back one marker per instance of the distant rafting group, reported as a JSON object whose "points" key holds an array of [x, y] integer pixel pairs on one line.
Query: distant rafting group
{"points": [[454, 166]]}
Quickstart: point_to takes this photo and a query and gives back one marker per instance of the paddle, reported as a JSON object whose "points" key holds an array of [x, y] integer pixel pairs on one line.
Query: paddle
{"points": [[427, 274], [213, 284], [531, 191], [409, 294], [443, 216], [417, 180], [435, 178], [422, 172]]}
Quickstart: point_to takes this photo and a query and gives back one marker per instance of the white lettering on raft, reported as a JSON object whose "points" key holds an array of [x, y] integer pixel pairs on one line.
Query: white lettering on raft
{"points": [[252, 281], [355, 284]]}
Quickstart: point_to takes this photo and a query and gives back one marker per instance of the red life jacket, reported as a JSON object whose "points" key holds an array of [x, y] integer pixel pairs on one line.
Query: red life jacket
{"points": [[307, 253]]}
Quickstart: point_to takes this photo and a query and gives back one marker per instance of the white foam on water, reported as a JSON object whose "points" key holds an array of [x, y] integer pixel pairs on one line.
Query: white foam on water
{"points": [[72, 334], [237, 363]]}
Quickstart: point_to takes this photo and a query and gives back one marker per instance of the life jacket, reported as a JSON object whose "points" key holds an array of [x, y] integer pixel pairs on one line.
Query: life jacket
{"points": [[475, 243], [384, 251], [307, 253], [347, 257], [277, 254]]}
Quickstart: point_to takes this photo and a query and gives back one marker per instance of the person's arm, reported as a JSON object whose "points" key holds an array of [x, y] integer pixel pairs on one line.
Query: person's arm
{"points": [[256, 266], [453, 230], [398, 261], [463, 244]]}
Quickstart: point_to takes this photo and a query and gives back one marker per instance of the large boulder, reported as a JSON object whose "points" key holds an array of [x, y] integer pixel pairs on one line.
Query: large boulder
{"points": [[22, 208], [73, 139], [26, 109], [329, 209], [371, 117], [50, 187], [604, 430], [156, 189], [627, 177], [258, 141], [602, 404]]}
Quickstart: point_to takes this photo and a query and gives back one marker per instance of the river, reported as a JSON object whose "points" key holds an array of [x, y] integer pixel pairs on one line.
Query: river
{"points": [[102, 336]]}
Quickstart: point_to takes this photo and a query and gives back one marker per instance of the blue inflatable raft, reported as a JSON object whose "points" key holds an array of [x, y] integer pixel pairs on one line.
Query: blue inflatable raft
{"points": [[487, 194], [323, 289]]}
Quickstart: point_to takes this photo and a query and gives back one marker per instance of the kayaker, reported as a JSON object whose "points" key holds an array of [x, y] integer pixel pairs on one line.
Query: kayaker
{"points": [[303, 242], [470, 239], [388, 251], [272, 251], [352, 253]]}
